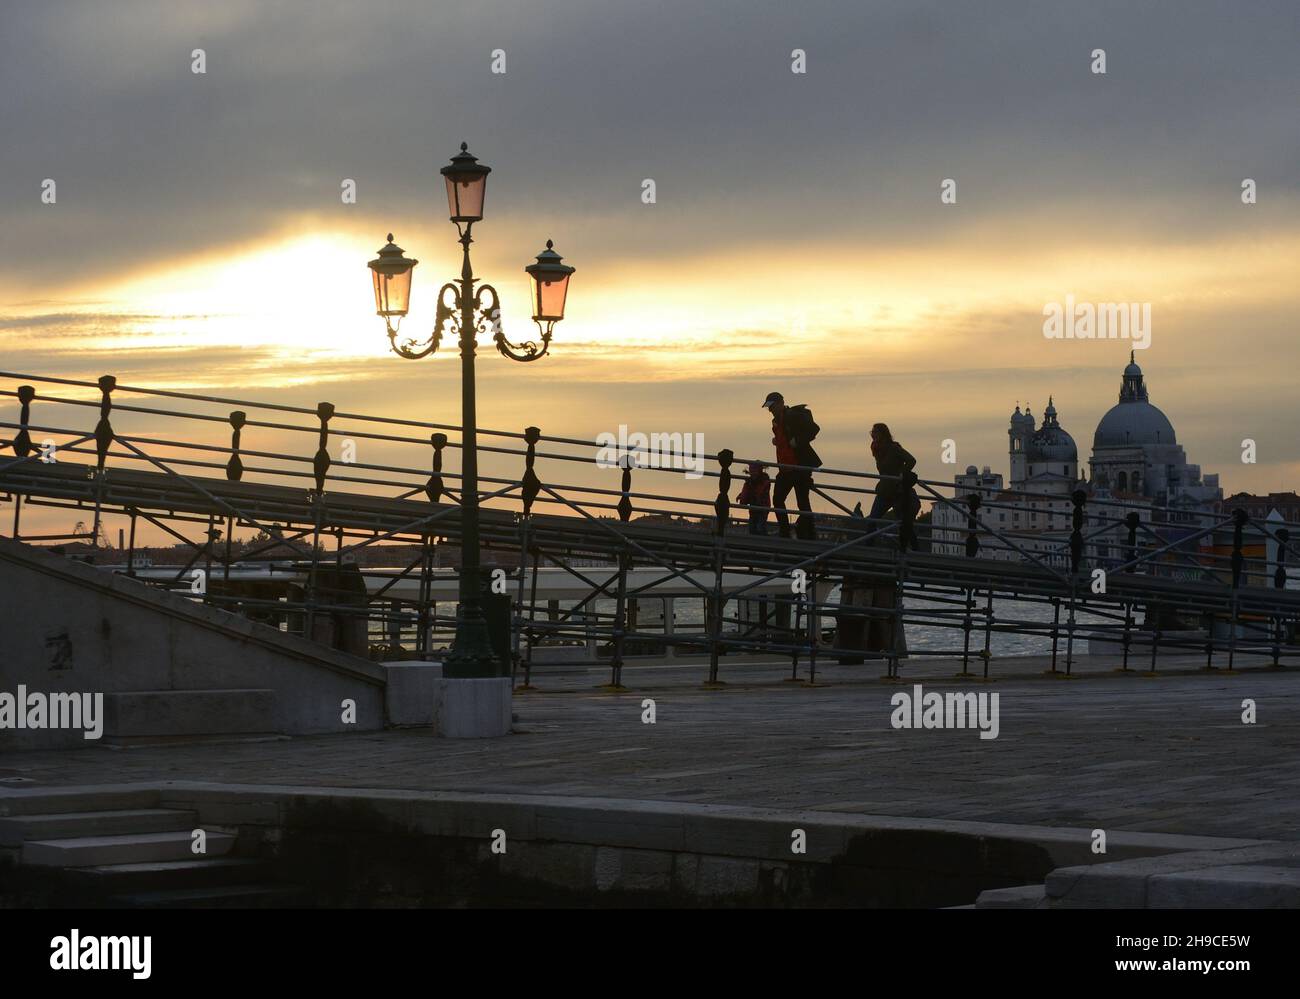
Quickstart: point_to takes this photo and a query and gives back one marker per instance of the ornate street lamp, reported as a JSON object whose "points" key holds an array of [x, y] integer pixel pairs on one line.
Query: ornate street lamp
{"points": [[392, 274], [466, 312]]}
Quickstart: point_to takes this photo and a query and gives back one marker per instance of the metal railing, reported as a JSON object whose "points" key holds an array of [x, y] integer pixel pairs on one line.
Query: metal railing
{"points": [[198, 471]]}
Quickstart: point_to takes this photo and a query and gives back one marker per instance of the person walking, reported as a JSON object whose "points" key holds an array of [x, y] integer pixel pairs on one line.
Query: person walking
{"points": [[894, 490], [756, 494], [793, 431]]}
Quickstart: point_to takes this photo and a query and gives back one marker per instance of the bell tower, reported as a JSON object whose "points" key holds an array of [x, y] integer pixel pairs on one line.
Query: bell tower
{"points": [[1022, 428]]}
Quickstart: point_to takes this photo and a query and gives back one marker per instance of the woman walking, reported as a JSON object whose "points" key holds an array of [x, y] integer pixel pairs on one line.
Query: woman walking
{"points": [[894, 489]]}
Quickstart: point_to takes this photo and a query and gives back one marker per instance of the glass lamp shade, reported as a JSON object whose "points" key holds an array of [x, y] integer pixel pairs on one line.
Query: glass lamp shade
{"points": [[393, 293], [550, 279], [466, 181], [392, 276]]}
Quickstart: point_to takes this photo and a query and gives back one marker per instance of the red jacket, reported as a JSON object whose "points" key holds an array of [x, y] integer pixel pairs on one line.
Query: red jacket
{"points": [[784, 449], [756, 491]]}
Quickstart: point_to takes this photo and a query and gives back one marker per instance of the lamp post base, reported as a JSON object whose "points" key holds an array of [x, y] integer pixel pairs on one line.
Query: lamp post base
{"points": [[471, 653]]}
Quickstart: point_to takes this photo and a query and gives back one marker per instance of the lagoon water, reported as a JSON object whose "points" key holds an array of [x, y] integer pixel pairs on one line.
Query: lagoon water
{"points": [[689, 614]]}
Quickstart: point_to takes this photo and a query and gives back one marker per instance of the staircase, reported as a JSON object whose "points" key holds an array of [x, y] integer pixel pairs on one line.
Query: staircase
{"points": [[116, 850]]}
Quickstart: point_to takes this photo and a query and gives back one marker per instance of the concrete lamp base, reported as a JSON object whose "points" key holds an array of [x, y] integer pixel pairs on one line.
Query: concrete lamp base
{"points": [[411, 694], [474, 707]]}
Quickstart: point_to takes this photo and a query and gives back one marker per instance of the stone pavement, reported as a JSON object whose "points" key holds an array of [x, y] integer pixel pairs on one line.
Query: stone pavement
{"points": [[1106, 751]]}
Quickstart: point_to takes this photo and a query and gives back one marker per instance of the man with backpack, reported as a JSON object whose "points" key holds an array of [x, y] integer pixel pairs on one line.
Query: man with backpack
{"points": [[793, 431]]}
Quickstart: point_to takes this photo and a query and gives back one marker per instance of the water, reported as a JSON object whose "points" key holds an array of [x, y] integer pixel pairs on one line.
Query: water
{"points": [[689, 618], [923, 637]]}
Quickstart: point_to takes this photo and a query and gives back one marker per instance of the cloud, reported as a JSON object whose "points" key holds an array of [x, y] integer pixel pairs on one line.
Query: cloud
{"points": [[153, 161], [782, 199]]}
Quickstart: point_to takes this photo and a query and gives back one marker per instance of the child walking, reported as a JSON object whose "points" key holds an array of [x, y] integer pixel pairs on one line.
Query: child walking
{"points": [[756, 493]]}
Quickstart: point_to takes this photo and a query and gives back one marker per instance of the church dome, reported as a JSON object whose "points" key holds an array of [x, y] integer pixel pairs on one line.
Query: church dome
{"points": [[1051, 443], [1133, 421]]}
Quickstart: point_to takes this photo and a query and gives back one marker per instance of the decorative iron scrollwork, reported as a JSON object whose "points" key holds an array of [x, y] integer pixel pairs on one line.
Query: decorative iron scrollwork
{"points": [[446, 322]]}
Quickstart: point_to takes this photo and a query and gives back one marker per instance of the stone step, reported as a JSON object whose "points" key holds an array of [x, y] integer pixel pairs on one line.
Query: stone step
{"points": [[192, 873], [1244, 886], [1021, 897], [224, 897], [79, 799], [17, 829], [91, 851]]}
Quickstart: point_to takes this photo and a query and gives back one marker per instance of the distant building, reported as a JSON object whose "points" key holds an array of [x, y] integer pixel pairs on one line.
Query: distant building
{"points": [[1261, 507], [1137, 466], [1136, 453]]}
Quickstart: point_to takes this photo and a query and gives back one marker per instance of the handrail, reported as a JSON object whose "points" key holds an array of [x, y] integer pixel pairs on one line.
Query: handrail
{"points": [[1075, 528]]}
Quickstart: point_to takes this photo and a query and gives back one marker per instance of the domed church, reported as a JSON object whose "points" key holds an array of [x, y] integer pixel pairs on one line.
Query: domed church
{"points": [[1043, 459], [1136, 453], [1136, 462]]}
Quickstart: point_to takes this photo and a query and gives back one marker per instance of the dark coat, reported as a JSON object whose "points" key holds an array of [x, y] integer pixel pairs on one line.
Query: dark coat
{"points": [[801, 429], [894, 459]]}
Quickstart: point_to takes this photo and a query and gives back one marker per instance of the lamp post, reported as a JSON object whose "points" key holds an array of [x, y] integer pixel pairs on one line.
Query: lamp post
{"points": [[465, 311]]}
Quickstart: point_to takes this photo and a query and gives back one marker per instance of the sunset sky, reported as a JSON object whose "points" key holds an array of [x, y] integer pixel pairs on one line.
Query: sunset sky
{"points": [[797, 243]]}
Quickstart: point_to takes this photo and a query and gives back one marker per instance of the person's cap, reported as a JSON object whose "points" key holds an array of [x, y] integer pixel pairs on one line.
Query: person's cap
{"points": [[772, 399]]}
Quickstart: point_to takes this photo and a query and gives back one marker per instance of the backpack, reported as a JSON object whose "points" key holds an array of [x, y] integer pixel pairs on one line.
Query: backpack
{"points": [[804, 428]]}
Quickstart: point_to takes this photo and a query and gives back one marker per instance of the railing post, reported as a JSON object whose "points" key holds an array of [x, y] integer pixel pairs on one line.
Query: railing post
{"points": [[1279, 583], [1155, 645], [532, 618], [1128, 634], [898, 630], [625, 486], [104, 429], [722, 515], [209, 554], [988, 630], [320, 465], [235, 466], [620, 625], [1056, 630], [23, 442], [321, 462], [130, 552], [434, 488], [620, 603], [796, 612], [722, 503], [966, 623], [1238, 565], [814, 627], [230, 538], [22, 446], [530, 484], [424, 596], [972, 529], [1238, 559], [517, 615], [1209, 645], [103, 440], [1078, 498], [1132, 521]]}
